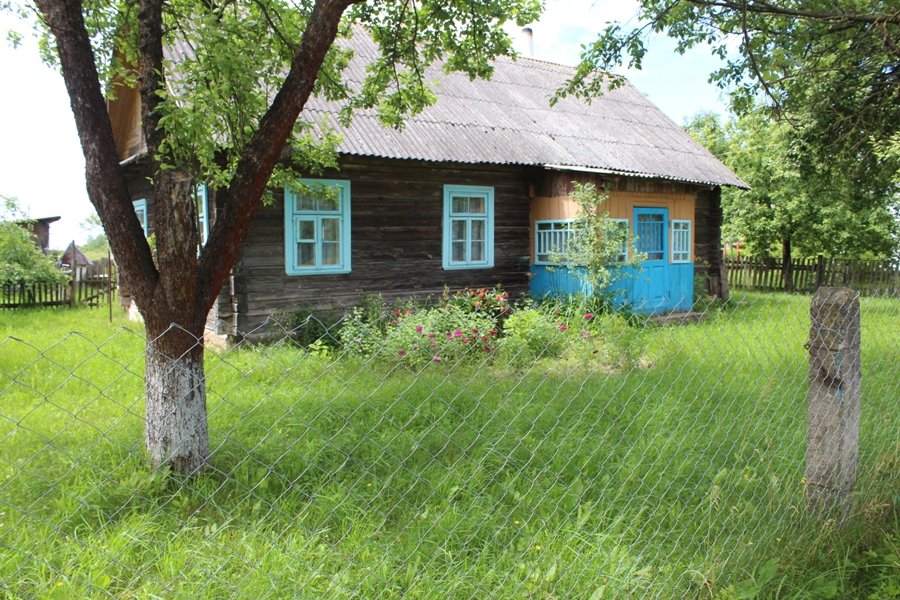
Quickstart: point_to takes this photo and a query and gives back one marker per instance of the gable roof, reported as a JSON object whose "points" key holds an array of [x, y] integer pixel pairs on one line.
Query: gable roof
{"points": [[508, 120]]}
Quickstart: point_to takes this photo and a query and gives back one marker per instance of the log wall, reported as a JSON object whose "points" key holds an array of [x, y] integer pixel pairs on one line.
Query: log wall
{"points": [[395, 244]]}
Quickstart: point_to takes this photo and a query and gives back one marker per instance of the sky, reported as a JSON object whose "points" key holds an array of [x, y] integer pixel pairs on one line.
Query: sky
{"points": [[40, 156]]}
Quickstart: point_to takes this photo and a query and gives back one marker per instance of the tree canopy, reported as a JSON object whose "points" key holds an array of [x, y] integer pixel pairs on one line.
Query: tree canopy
{"points": [[830, 67], [795, 205]]}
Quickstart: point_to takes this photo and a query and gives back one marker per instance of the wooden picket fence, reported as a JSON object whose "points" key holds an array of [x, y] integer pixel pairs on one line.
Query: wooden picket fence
{"points": [[868, 277], [94, 286]]}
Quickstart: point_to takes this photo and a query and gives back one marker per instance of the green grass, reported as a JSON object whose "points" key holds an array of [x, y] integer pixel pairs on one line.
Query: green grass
{"points": [[679, 478]]}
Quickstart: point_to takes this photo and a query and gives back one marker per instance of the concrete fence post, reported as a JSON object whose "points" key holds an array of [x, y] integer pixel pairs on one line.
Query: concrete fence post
{"points": [[832, 451]]}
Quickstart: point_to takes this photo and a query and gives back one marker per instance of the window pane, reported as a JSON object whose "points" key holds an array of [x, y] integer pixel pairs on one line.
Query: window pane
{"points": [[331, 253], [476, 205], [477, 251], [458, 230], [460, 204], [478, 229], [307, 230], [306, 254], [331, 230], [544, 226], [142, 217], [306, 202], [330, 201], [459, 252], [560, 225]]}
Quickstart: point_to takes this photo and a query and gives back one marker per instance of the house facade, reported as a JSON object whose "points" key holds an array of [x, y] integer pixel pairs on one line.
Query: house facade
{"points": [[473, 192]]}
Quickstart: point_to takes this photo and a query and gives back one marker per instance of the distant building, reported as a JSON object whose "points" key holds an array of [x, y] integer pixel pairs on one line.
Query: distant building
{"points": [[40, 231]]}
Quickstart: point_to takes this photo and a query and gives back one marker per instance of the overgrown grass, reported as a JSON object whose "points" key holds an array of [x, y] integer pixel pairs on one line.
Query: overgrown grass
{"points": [[334, 477]]}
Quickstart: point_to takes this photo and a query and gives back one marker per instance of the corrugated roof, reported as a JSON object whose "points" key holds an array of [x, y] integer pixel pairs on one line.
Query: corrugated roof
{"points": [[509, 120]]}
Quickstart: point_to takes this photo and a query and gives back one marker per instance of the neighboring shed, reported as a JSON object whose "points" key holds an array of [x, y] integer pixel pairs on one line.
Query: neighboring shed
{"points": [[40, 231], [464, 195]]}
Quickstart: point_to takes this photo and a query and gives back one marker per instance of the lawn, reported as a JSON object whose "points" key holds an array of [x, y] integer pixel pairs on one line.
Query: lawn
{"points": [[677, 473]]}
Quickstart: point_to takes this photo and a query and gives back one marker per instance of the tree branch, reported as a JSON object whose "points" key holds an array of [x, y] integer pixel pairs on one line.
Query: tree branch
{"points": [[105, 181], [242, 198]]}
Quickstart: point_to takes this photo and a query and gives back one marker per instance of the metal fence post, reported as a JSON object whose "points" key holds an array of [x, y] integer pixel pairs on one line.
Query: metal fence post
{"points": [[832, 451]]}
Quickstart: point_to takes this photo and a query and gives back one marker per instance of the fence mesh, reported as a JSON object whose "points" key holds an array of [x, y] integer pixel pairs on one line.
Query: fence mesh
{"points": [[462, 452]]}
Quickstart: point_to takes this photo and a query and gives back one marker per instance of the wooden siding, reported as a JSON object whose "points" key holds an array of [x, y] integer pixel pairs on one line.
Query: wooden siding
{"points": [[396, 227], [125, 117], [708, 241], [620, 205]]}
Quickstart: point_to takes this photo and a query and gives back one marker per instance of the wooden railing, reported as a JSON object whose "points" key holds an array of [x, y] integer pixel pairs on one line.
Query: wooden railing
{"points": [[869, 277], [91, 286]]}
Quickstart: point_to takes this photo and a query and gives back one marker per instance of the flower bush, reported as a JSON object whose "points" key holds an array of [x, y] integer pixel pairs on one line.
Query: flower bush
{"points": [[444, 334]]}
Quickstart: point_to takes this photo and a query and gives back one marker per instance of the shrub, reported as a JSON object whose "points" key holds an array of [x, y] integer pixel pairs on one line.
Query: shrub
{"points": [[21, 261], [531, 334], [447, 334]]}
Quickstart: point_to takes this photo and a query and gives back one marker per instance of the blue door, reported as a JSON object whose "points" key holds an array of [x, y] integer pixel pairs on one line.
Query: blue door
{"points": [[651, 290]]}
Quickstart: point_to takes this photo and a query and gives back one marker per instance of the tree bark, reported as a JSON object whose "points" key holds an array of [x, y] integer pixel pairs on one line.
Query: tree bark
{"points": [[176, 431], [787, 267]]}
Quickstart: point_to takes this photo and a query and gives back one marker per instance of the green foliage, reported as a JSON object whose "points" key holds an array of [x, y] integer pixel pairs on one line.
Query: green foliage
{"points": [[532, 334], [595, 244], [448, 335], [21, 261], [794, 201], [828, 68]]}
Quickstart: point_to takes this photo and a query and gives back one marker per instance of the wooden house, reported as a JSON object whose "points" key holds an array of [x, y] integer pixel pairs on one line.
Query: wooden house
{"points": [[471, 193]]}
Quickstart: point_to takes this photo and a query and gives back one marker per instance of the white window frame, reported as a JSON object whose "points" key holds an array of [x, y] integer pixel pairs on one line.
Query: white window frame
{"points": [[681, 241], [293, 217], [565, 234], [485, 192]]}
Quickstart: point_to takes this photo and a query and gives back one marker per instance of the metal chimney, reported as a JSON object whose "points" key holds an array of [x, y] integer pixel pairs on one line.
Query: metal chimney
{"points": [[528, 42]]}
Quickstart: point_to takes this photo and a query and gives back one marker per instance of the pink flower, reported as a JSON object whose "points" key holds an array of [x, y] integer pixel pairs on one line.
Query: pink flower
{"points": [[562, 327], [465, 340], [589, 316], [437, 359], [355, 341], [397, 312], [586, 334], [431, 335], [488, 349], [393, 321], [555, 312], [484, 338], [419, 329], [433, 344], [493, 332], [457, 333], [474, 331], [401, 352]]}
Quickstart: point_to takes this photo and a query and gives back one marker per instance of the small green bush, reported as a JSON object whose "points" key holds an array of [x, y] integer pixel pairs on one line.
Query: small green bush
{"points": [[531, 334]]}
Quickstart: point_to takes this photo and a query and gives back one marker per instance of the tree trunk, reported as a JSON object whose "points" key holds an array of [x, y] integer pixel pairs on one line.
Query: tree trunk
{"points": [[176, 431], [787, 267]]}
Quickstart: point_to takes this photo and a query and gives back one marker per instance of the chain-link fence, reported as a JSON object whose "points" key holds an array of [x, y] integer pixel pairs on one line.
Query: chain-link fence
{"points": [[467, 450]]}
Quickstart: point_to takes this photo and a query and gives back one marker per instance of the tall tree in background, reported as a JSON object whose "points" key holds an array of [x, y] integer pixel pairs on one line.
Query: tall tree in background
{"points": [[222, 114], [830, 67], [796, 205]]}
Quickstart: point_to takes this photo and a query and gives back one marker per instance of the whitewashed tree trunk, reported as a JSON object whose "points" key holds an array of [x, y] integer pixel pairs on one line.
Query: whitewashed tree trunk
{"points": [[176, 431]]}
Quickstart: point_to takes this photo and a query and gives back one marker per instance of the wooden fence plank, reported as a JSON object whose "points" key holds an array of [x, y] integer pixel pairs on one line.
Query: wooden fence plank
{"points": [[868, 277]]}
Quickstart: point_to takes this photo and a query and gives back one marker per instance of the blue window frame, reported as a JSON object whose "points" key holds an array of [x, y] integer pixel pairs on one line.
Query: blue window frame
{"points": [[140, 209], [468, 227], [317, 227], [681, 241], [551, 238]]}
